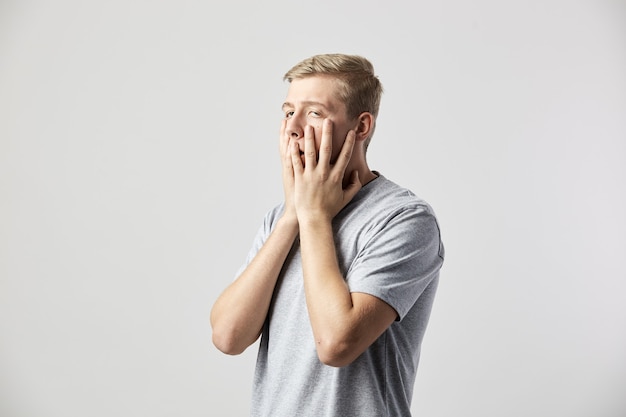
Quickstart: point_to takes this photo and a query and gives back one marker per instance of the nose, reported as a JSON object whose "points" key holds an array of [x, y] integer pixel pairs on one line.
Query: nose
{"points": [[294, 128]]}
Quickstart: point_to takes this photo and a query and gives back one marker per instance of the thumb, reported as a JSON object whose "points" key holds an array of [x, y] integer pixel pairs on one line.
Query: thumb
{"points": [[353, 187]]}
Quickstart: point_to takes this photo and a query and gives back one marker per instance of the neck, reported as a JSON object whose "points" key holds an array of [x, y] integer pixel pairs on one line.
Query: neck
{"points": [[365, 175]]}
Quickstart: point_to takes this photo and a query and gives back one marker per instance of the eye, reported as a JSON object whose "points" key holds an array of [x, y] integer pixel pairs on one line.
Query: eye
{"points": [[315, 113], [288, 114]]}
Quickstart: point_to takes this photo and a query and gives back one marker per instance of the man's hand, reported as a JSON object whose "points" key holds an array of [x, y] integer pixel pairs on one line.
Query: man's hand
{"points": [[318, 185], [344, 324], [287, 174]]}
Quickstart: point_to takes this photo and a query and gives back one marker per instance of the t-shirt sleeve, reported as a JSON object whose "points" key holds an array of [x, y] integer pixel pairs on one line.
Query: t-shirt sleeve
{"points": [[261, 236], [402, 257]]}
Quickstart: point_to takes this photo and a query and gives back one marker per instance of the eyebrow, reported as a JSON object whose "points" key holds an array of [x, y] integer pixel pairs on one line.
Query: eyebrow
{"points": [[287, 105]]}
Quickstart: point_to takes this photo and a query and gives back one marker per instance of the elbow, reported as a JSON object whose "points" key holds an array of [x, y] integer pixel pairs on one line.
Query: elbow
{"points": [[224, 335], [228, 338], [226, 342], [336, 354]]}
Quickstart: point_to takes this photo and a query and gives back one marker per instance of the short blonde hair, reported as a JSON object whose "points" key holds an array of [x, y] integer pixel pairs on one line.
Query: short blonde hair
{"points": [[359, 88]]}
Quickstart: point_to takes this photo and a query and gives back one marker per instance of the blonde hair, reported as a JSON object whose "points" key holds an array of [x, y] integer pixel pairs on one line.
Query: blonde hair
{"points": [[359, 88]]}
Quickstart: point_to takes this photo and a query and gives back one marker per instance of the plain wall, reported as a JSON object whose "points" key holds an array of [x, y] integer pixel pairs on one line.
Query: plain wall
{"points": [[138, 155]]}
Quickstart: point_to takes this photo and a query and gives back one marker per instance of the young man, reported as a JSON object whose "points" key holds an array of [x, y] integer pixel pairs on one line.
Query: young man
{"points": [[341, 277]]}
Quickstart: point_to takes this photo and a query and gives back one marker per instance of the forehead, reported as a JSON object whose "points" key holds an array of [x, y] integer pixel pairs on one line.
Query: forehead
{"points": [[315, 89]]}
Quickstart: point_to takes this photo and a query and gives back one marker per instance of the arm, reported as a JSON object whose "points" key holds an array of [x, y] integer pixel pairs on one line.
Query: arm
{"points": [[238, 315], [344, 324]]}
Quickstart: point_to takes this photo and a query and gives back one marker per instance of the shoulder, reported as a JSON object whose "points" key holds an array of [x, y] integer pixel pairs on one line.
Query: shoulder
{"points": [[272, 215], [383, 198], [390, 212]]}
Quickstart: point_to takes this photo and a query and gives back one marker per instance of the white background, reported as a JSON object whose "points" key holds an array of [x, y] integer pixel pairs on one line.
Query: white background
{"points": [[138, 154]]}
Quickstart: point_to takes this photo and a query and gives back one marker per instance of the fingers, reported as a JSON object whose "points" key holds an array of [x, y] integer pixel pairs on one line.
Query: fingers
{"points": [[287, 162], [311, 158], [294, 157], [310, 153], [284, 142], [326, 144], [353, 187], [285, 155], [346, 152]]}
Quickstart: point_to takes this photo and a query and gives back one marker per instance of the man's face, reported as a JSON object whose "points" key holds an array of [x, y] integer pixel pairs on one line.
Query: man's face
{"points": [[309, 101]]}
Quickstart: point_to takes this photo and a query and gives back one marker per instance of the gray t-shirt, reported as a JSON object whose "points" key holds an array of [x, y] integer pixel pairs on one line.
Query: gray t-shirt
{"points": [[388, 245]]}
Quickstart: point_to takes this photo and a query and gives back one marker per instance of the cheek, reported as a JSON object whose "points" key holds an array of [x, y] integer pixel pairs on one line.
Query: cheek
{"points": [[318, 136], [337, 144]]}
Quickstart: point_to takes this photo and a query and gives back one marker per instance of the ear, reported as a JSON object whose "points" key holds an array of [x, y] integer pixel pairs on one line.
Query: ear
{"points": [[364, 126]]}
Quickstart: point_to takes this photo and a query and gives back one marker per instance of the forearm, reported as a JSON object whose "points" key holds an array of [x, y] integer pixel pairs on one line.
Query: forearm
{"points": [[238, 315], [329, 301]]}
